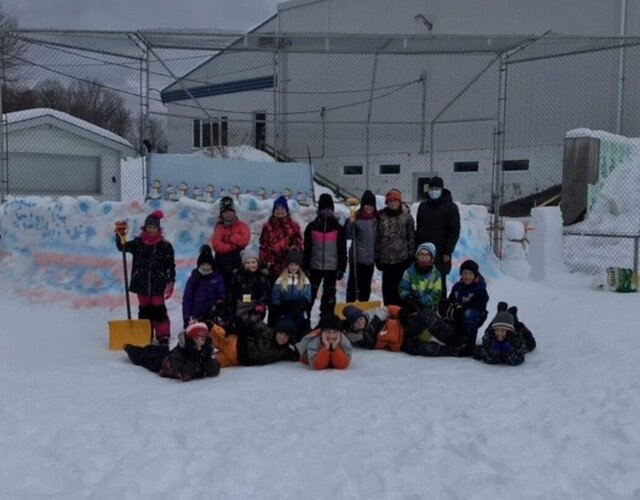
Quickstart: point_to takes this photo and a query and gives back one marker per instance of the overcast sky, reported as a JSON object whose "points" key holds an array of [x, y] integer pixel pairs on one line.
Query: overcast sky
{"points": [[140, 14]]}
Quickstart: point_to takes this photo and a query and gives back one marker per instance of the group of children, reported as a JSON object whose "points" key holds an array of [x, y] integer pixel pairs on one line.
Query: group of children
{"points": [[229, 293]]}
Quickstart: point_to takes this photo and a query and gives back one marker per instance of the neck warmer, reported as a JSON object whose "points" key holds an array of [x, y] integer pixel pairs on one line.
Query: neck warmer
{"points": [[147, 239]]}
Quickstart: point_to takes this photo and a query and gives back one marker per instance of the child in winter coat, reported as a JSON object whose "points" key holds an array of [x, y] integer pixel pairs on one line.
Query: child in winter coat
{"points": [[153, 272], [395, 245], [193, 357], [421, 286], [362, 230], [255, 343], [466, 306], [230, 237], [250, 291], [279, 235], [507, 340], [374, 329], [291, 295], [326, 346], [205, 290], [325, 254]]}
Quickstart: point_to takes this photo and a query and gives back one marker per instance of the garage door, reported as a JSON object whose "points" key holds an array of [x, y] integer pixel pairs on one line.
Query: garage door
{"points": [[51, 174]]}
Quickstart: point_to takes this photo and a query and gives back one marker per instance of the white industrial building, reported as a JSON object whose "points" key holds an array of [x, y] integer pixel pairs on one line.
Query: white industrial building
{"points": [[416, 90]]}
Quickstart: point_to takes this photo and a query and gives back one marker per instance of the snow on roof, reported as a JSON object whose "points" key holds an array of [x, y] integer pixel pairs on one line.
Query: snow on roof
{"points": [[31, 114], [243, 152]]}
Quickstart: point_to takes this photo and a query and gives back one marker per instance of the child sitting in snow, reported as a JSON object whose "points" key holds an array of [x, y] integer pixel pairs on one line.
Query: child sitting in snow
{"points": [[326, 346], [421, 284], [507, 340], [205, 289], [466, 306], [250, 291]]}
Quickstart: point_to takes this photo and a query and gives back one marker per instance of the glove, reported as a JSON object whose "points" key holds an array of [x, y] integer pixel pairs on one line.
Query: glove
{"points": [[411, 299], [168, 291], [339, 275], [122, 228]]}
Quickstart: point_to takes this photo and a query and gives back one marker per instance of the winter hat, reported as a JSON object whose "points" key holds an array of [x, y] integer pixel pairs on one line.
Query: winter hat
{"points": [[153, 219], [352, 314], [436, 182], [393, 195], [206, 256], [330, 322], [503, 320], [325, 202], [195, 330], [280, 202], [470, 265], [285, 326], [429, 247], [249, 253], [226, 204], [293, 257], [368, 198]]}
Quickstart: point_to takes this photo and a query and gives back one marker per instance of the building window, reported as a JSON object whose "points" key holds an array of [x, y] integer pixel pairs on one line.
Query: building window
{"points": [[465, 166], [514, 165], [211, 133], [352, 170], [390, 169]]}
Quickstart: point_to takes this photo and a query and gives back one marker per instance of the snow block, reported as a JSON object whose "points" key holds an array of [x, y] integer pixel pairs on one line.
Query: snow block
{"points": [[546, 251]]}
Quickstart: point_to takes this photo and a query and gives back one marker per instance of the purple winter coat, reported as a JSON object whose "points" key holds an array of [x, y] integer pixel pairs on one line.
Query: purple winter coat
{"points": [[201, 293]]}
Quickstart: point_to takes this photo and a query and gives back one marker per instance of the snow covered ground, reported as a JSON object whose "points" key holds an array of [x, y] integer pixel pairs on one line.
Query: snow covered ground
{"points": [[79, 421]]}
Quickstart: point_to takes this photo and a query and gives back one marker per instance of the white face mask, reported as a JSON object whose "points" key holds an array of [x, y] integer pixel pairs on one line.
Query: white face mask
{"points": [[205, 271], [434, 194]]}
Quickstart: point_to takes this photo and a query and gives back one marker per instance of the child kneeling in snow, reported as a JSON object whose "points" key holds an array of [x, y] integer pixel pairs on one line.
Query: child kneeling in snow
{"points": [[326, 346], [193, 357], [507, 340]]}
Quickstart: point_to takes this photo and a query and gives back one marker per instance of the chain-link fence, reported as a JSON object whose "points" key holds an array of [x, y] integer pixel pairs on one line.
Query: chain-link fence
{"points": [[487, 114]]}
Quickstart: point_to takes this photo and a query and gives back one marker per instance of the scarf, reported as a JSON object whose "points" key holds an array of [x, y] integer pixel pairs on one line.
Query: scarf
{"points": [[148, 240]]}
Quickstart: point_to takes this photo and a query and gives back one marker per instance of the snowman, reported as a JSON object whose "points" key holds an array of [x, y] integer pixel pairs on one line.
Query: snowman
{"points": [[210, 193], [155, 193], [197, 193], [261, 193], [183, 189], [171, 192]]}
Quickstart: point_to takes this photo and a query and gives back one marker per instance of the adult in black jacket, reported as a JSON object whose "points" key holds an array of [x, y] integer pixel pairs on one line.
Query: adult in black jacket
{"points": [[438, 222]]}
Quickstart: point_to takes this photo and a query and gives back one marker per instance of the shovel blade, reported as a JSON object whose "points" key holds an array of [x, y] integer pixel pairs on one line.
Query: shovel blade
{"points": [[129, 331], [362, 305]]}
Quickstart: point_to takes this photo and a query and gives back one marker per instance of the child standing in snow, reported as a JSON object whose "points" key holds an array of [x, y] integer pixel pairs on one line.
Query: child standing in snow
{"points": [[507, 340], [205, 289], [325, 254], [291, 294], [279, 235], [230, 237], [466, 306], [362, 230], [250, 290], [153, 272], [326, 346]]}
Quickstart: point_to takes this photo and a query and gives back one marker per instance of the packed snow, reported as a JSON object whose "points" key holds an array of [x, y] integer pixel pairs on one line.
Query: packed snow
{"points": [[80, 421]]}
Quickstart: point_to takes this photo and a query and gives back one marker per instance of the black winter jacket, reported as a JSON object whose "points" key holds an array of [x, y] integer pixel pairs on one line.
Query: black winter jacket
{"points": [[153, 266], [257, 345], [438, 222]]}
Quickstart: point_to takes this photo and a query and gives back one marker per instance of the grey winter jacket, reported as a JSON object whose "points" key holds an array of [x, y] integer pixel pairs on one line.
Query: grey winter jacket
{"points": [[363, 246]]}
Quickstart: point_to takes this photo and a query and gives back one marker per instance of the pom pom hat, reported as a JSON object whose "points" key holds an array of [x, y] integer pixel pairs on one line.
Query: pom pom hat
{"points": [[195, 330], [153, 219], [206, 256]]}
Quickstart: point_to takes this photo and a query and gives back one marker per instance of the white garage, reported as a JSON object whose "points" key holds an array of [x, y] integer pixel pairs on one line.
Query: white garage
{"points": [[51, 153]]}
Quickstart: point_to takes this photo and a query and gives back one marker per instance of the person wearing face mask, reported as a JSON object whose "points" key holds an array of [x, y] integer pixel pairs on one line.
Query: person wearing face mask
{"points": [[438, 222], [325, 254], [205, 289]]}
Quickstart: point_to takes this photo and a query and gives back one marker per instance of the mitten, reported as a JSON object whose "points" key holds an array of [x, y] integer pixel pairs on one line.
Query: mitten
{"points": [[339, 275], [121, 229], [496, 346], [168, 291]]}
